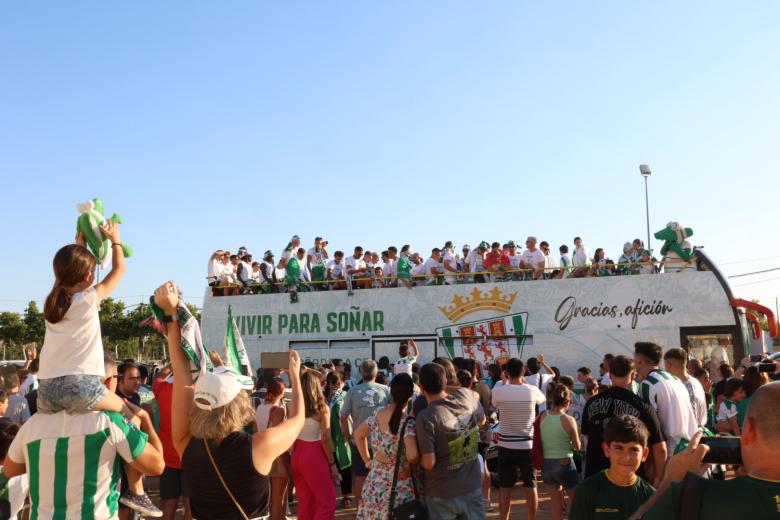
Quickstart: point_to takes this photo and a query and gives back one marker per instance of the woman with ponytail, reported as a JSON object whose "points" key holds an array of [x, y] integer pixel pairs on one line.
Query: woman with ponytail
{"points": [[560, 439], [384, 430]]}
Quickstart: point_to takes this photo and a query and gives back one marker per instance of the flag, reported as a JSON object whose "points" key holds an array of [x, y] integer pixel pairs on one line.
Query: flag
{"points": [[236, 357]]}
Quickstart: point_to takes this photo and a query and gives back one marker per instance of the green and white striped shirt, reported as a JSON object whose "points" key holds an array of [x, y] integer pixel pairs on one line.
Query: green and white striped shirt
{"points": [[72, 462], [669, 397]]}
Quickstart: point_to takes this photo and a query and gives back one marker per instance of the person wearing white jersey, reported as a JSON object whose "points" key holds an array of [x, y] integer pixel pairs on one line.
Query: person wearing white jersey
{"points": [[449, 263], [667, 395], [533, 258], [389, 270], [71, 460], [675, 360], [433, 268]]}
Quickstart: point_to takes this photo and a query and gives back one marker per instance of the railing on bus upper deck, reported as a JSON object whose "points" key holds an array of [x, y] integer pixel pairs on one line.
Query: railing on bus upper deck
{"points": [[501, 275]]}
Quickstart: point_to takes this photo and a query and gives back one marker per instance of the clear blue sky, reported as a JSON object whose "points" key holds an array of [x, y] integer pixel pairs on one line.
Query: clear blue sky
{"points": [[214, 125]]}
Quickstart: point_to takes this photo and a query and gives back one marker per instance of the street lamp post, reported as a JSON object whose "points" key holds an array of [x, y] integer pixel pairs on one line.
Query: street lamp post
{"points": [[644, 170]]}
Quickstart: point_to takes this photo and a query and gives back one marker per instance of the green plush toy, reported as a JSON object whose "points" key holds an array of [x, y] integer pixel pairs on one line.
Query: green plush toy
{"points": [[90, 219], [676, 251]]}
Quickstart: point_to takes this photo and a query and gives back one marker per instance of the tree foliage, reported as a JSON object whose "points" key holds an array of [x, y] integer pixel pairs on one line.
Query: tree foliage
{"points": [[121, 328], [35, 326]]}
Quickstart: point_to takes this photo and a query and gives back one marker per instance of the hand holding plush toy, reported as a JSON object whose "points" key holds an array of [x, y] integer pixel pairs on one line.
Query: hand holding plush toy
{"points": [[97, 233]]}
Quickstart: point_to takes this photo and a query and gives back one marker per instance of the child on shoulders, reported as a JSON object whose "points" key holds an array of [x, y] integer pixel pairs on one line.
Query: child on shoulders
{"points": [[71, 361]]}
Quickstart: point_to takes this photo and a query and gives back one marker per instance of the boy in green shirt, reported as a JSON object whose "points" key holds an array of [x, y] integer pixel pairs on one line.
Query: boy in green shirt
{"points": [[617, 492]]}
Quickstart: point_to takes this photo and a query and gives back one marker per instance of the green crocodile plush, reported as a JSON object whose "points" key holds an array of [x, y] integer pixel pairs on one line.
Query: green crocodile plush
{"points": [[677, 252], [90, 219]]}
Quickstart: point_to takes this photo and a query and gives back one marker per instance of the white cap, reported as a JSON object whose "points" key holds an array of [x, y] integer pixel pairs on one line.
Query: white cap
{"points": [[216, 389]]}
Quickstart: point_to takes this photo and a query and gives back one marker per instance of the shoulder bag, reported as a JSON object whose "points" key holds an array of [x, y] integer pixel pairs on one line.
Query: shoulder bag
{"points": [[414, 509]]}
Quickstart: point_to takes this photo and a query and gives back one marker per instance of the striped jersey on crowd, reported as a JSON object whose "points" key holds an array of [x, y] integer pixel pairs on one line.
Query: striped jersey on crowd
{"points": [[73, 462], [669, 398]]}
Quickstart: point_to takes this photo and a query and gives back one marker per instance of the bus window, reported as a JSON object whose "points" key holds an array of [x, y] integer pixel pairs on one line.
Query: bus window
{"points": [[712, 350]]}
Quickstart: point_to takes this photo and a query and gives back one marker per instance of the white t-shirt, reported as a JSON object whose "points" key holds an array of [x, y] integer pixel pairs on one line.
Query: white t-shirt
{"points": [[213, 270], [388, 271], [534, 258], [580, 257], [317, 256], [404, 365], [540, 381], [476, 261], [29, 384], [726, 411], [338, 270], [698, 399], [74, 345], [516, 405], [429, 265], [355, 263], [418, 270], [452, 259], [669, 397], [551, 263], [17, 487], [514, 261], [606, 380]]}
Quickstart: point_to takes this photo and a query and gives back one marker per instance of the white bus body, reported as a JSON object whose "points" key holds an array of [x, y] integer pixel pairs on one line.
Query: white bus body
{"points": [[573, 322]]}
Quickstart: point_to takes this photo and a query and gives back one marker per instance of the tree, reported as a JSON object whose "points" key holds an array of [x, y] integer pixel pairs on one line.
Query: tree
{"points": [[12, 332], [114, 323], [12, 328], [34, 323]]}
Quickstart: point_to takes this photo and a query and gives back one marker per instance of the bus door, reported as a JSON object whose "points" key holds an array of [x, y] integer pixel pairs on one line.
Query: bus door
{"points": [[388, 346], [713, 345]]}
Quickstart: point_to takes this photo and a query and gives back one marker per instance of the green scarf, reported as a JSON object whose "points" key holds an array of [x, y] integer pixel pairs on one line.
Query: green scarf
{"points": [[340, 445]]}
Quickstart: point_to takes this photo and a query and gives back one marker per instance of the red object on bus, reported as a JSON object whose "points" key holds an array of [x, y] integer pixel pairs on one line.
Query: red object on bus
{"points": [[753, 306]]}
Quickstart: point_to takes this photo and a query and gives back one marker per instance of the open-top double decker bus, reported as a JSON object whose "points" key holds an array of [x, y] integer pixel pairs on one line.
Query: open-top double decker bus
{"points": [[572, 321]]}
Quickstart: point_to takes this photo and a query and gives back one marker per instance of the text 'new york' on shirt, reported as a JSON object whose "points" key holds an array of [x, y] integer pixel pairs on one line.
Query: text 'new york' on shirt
{"points": [[602, 407]]}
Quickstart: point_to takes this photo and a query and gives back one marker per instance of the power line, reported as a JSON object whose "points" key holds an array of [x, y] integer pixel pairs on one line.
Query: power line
{"points": [[754, 272], [749, 261], [757, 282]]}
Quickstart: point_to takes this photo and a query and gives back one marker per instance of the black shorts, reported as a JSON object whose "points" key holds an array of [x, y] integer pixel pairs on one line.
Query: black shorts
{"points": [[359, 468], [171, 486], [509, 461]]}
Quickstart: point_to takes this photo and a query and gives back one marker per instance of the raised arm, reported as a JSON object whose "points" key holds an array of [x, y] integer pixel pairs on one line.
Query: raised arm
{"points": [[167, 298], [269, 444], [413, 345], [109, 283]]}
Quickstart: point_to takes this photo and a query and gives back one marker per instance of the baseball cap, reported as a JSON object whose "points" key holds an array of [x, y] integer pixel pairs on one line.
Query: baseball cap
{"points": [[295, 237], [268, 253], [216, 389], [511, 243]]}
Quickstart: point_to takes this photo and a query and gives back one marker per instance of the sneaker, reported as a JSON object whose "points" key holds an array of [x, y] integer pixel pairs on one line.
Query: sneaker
{"points": [[487, 504], [140, 503]]}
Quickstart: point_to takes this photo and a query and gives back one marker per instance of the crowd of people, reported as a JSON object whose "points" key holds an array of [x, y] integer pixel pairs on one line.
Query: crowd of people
{"points": [[315, 269], [404, 439]]}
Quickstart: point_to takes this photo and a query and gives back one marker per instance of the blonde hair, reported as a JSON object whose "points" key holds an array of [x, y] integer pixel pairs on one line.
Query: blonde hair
{"points": [[219, 423], [313, 398]]}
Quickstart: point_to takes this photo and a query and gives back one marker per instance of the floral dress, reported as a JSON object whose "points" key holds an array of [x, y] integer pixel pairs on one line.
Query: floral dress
{"points": [[375, 497]]}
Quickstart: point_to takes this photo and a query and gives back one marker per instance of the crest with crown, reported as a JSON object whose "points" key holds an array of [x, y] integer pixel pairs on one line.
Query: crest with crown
{"points": [[476, 300]]}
